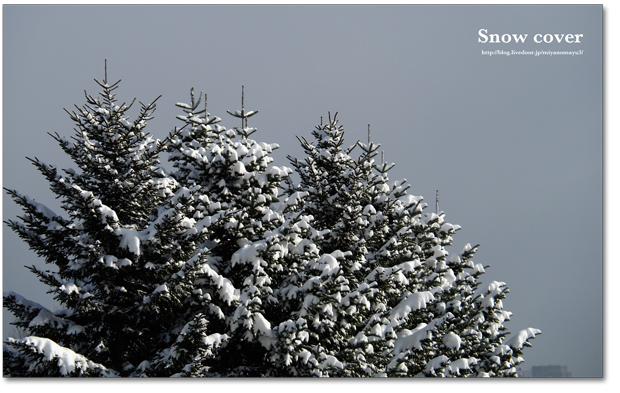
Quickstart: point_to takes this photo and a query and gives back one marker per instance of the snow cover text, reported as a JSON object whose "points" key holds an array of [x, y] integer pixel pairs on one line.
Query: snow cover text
{"points": [[484, 38]]}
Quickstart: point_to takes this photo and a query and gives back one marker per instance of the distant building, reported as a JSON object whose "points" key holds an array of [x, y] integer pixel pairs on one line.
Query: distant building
{"points": [[550, 372]]}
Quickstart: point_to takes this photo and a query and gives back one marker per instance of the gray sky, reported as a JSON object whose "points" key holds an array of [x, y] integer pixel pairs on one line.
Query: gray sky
{"points": [[513, 143]]}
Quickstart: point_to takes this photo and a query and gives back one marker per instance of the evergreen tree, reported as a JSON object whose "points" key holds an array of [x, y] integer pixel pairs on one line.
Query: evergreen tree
{"points": [[403, 303], [101, 271], [232, 179], [226, 268]]}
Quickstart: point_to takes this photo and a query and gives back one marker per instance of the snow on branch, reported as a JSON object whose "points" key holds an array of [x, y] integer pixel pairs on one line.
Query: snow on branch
{"points": [[67, 361], [521, 339]]}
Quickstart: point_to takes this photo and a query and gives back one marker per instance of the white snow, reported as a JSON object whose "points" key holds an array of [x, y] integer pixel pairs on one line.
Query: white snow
{"points": [[331, 361], [495, 287], [46, 317], [436, 363], [304, 355], [409, 200], [124, 262], [282, 172], [487, 302], [69, 288], [41, 208], [446, 227], [456, 366], [38, 207], [225, 289], [68, 361], [248, 253], [454, 258], [262, 328], [215, 339], [130, 239], [328, 265], [413, 302], [109, 260], [239, 168], [452, 340], [412, 340], [187, 222], [19, 299], [519, 339], [466, 248], [161, 288], [143, 366], [449, 368], [421, 332]]}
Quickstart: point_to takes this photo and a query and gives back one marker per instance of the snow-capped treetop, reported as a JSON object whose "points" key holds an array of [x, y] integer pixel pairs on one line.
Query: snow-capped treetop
{"points": [[226, 268]]}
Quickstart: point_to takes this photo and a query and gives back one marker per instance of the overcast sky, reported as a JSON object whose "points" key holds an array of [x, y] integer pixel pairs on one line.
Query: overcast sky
{"points": [[513, 143]]}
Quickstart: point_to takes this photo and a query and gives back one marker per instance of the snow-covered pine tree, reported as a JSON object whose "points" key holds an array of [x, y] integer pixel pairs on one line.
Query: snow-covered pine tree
{"points": [[329, 178], [233, 175], [338, 190], [216, 271], [101, 272], [405, 306], [232, 179]]}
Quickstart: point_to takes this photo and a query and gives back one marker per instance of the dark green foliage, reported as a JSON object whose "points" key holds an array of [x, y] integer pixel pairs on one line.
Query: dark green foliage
{"points": [[226, 268]]}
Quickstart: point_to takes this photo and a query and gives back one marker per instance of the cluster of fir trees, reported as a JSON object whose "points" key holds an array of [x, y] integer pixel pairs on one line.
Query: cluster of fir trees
{"points": [[226, 268]]}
